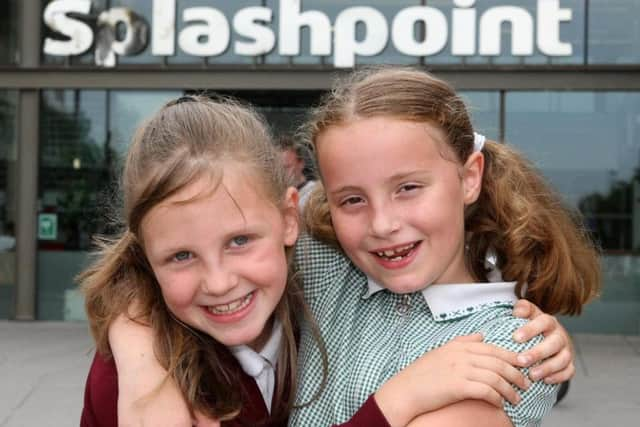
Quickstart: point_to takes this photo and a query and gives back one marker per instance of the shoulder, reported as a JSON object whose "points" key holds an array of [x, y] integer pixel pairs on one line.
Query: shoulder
{"points": [[319, 265], [498, 325], [538, 400]]}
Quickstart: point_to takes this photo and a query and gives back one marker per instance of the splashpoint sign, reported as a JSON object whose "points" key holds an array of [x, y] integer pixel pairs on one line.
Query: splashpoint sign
{"points": [[120, 31]]}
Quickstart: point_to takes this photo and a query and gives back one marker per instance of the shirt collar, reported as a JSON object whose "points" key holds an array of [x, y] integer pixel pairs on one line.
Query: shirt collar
{"points": [[452, 301], [253, 362]]}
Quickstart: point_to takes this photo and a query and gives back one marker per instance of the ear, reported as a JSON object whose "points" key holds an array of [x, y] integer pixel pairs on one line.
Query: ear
{"points": [[472, 177], [290, 216]]}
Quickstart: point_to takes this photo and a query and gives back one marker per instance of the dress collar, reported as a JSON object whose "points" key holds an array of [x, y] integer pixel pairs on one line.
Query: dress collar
{"points": [[455, 300]]}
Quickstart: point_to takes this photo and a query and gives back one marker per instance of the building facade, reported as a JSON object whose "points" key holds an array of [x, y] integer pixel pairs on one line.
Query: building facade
{"points": [[559, 79]]}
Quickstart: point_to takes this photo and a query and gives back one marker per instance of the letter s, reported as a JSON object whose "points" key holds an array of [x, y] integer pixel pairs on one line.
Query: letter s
{"points": [[80, 34]]}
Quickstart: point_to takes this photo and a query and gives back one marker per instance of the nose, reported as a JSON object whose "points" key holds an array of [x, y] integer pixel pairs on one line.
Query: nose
{"points": [[384, 220], [218, 280]]}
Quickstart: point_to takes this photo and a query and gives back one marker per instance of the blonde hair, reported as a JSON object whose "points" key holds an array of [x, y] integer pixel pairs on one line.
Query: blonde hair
{"points": [[186, 140], [539, 241]]}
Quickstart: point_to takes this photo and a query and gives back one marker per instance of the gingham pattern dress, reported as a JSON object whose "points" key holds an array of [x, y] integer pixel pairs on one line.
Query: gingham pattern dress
{"points": [[371, 336]]}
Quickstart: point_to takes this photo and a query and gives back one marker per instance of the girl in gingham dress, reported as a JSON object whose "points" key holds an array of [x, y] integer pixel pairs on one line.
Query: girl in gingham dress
{"points": [[412, 202]]}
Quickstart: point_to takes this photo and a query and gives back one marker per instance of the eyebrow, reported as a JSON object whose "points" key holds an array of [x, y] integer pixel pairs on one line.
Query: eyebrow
{"points": [[394, 178]]}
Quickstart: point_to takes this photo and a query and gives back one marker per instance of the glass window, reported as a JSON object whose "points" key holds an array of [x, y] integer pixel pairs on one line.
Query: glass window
{"points": [[8, 32], [8, 201], [83, 134], [614, 31], [588, 145], [484, 108]]}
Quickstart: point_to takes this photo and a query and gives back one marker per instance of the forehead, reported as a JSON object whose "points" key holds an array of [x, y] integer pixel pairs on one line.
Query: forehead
{"points": [[236, 190], [378, 140]]}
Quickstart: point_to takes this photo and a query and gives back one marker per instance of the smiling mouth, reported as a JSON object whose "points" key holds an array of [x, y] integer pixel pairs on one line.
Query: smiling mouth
{"points": [[396, 254], [232, 307]]}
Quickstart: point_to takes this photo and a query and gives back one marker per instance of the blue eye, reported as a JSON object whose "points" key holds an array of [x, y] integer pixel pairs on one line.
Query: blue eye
{"points": [[239, 241], [182, 256]]}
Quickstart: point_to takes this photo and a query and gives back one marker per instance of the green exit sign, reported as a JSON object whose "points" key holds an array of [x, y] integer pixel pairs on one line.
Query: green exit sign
{"points": [[47, 226]]}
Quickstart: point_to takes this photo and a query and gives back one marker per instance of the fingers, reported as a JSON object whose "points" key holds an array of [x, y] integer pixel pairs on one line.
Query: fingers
{"points": [[562, 376], [485, 349], [556, 369], [504, 370], [496, 383], [549, 347], [481, 391], [523, 309], [468, 338], [543, 324]]}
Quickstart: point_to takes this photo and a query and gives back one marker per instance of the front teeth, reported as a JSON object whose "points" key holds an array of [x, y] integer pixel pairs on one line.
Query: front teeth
{"points": [[232, 307], [390, 253]]}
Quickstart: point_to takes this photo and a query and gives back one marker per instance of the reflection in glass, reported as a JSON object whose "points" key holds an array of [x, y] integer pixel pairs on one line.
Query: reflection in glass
{"points": [[614, 26], [8, 32], [8, 200], [484, 108], [83, 134], [588, 146]]}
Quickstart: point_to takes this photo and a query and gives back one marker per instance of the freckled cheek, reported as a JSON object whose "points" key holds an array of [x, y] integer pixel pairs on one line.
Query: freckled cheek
{"points": [[178, 290], [267, 269]]}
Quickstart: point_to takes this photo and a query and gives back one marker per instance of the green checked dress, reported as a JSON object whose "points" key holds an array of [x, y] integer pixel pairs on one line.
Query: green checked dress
{"points": [[371, 334]]}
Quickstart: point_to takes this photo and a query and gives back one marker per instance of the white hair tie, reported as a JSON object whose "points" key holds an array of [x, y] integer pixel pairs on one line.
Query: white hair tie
{"points": [[478, 141]]}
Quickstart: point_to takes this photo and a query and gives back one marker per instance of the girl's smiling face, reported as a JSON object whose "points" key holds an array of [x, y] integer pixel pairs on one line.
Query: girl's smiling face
{"points": [[397, 197], [219, 256]]}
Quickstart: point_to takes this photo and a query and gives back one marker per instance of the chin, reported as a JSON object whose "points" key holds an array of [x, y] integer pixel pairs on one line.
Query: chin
{"points": [[403, 286]]}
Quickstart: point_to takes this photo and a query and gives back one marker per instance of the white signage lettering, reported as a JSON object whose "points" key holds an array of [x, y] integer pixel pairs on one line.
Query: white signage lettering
{"points": [[357, 31], [246, 23], [463, 38], [435, 24], [107, 45], [207, 39], [163, 33], [549, 18], [292, 21], [347, 45], [80, 34]]}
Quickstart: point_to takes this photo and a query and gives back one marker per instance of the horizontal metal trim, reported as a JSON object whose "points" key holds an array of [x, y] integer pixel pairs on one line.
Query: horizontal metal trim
{"points": [[315, 78]]}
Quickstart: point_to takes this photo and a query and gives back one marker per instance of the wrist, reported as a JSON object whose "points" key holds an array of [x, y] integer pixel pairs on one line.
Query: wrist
{"points": [[394, 403]]}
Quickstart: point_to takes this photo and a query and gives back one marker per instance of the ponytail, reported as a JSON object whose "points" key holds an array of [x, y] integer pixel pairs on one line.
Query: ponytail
{"points": [[540, 243]]}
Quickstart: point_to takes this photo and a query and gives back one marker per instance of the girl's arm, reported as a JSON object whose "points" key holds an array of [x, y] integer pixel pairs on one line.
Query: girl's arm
{"points": [[476, 413], [146, 396], [463, 369], [439, 387]]}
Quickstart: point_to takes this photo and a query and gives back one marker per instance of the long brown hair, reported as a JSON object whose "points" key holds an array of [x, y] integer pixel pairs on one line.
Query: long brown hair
{"points": [[187, 139], [539, 241]]}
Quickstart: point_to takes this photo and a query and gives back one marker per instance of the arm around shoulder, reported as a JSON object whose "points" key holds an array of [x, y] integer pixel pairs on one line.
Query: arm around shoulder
{"points": [[146, 395]]}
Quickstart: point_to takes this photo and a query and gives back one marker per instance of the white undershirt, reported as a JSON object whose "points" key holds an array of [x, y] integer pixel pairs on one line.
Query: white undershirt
{"points": [[261, 366]]}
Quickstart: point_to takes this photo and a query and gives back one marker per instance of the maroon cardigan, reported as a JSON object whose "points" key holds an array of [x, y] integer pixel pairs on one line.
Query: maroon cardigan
{"points": [[101, 402]]}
